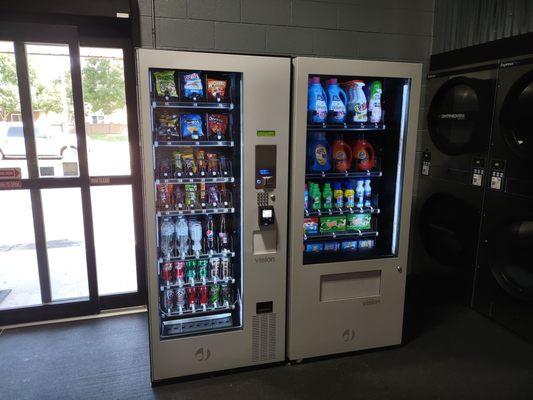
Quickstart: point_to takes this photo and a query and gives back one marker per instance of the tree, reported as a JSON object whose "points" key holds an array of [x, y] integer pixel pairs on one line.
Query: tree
{"points": [[103, 85], [9, 95], [44, 97]]}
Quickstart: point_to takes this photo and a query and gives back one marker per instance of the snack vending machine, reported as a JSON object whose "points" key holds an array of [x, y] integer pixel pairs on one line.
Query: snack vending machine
{"points": [[352, 158], [214, 131]]}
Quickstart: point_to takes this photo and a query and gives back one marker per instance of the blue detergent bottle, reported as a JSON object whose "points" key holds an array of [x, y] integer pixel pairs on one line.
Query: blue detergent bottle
{"points": [[337, 100], [319, 153], [316, 102]]}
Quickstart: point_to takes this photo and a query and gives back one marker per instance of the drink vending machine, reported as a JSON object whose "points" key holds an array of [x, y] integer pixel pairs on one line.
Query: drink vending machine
{"points": [[214, 131], [352, 159]]}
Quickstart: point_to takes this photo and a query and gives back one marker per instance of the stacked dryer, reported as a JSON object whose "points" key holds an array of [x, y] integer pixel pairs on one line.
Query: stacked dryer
{"points": [[451, 179], [504, 278]]}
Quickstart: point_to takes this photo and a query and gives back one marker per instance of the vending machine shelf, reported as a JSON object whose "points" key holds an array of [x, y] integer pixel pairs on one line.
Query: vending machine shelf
{"points": [[194, 143], [356, 210], [199, 257], [342, 175], [198, 211], [367, 126], [192, 104], [199, 311], [218, 179], [208, 282], [339, 235]]}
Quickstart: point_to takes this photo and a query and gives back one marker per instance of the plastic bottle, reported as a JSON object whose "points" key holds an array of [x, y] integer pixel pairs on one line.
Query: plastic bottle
{"points": [[338, 195], [349, 195], [327, 197], [368, 193], [316, 102], [316, 198], [210, 233], [223, 235], [182, 233], [374, 103], [167, 235], [306, 197], [360, 193], [319, 153], [360, 106], [337, 100]]}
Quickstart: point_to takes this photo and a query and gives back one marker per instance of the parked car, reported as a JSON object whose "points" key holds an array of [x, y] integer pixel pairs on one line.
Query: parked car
{"points": [[50, 142]]}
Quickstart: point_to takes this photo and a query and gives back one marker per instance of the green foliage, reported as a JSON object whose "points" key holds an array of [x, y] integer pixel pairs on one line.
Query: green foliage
{"points": [[9, 95], [103, 85]]}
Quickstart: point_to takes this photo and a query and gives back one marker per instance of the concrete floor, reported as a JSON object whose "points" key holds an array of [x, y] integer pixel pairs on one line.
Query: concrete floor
{"points": [[449, 353]]}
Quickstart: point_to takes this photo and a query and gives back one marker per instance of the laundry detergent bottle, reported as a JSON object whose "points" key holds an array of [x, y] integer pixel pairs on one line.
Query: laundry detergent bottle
{"points": [[336, 102], [360, 105], [374, 102], [319, 153], [317, 109]]}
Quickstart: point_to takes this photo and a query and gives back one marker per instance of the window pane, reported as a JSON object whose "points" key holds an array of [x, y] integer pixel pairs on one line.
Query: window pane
{"points": [[53, 110], [114, 239], [12, 146], [106, 122], [19, 274], [65, 239]]}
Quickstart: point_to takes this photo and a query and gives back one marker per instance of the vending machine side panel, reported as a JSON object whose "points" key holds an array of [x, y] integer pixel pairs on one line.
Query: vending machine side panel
{"points": [[343, 305], [265, 93]]}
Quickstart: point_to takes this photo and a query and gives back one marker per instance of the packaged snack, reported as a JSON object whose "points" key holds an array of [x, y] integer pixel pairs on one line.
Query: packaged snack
{"points": [[216, 89], [191, 126], [202, 162], [212, 164], [190, 196], [167, 126], [203, 195], [165, 84], [314, 247], [349, 245], [165, 169], [178, 164], [311, 225], [179, 197], [192, 86], [164, 197], [366, 244], [359, 222], [331, 246], [335, 223], [214, 195], [217, 125], [189, 163]]}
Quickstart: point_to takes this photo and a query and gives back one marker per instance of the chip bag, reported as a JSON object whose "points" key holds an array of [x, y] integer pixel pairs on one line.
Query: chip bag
{"points": [[191, 126], [217, 125], [165, 84], [192, 86], [216, 89]]}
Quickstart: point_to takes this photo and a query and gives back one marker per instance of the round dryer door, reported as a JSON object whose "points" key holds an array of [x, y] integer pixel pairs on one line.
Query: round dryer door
{"points": [[511, 258], [449, 228], [459, 116], [516, 116]]}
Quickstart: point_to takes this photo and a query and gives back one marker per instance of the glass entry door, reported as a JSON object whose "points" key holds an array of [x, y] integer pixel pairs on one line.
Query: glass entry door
{"points": [[68, 238]]}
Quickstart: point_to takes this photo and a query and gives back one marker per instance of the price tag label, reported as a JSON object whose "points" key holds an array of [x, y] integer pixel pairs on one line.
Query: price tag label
{"points": [[497, 174], [478, 171], [426, 163]]}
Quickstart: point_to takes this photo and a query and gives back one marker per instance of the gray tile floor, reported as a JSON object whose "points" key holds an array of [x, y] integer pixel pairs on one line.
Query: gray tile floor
{"points": [[450, 353]]}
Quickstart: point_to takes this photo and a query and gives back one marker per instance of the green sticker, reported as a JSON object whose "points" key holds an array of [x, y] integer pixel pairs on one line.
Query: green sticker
{"points": [[266, 133]]}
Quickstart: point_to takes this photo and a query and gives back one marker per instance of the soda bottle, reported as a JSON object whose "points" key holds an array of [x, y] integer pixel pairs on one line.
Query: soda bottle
{"points": [[214, 295], [225, 268], [210, 234], [182, 233], [327, 196], [214, 268], [168, 300], [167, 238], [191, 297], [349, 195], [338, 195], [191, 271], [223, 235], [166, 273], [225, 295], [203, 296], [202, 270], [360, 193], [179, 295], [368, 193], [179, 272]]}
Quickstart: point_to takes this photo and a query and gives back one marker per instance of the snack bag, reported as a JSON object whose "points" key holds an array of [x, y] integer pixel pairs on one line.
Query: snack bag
{"points": [[216, 89], [165, 84], [178, 164], [332, 224], [191, 126], [192, 86], [189, 162], [167, 126], [217, 125], [212, 164], [201, 161], [311, 225], [164, 197], [190, 196]]}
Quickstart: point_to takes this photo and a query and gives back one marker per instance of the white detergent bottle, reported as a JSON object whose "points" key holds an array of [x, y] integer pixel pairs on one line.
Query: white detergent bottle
{"points": [[360, 107]]}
